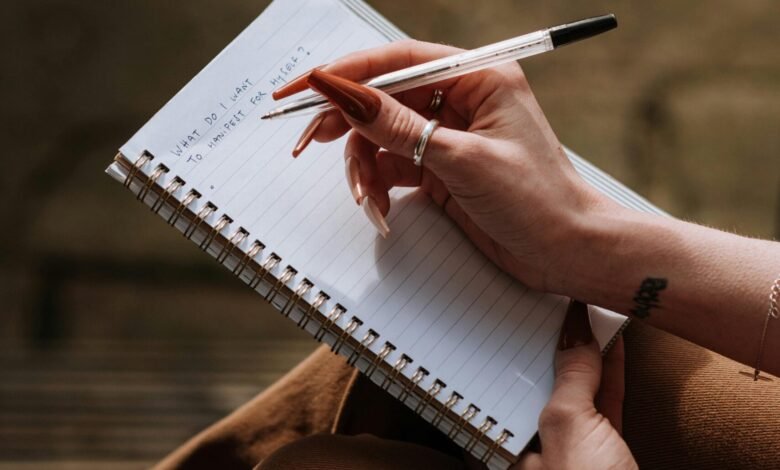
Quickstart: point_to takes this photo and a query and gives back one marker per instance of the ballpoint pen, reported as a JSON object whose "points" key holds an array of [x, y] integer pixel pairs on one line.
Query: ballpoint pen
{"points": [[466, 62]]}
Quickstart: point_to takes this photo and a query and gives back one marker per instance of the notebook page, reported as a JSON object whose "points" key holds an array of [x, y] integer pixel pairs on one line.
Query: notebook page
{"points": [[425, 289]]}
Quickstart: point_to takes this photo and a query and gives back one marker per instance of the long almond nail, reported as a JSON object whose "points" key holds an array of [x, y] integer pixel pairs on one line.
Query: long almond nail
{"points": [[576, 329], [352, 169], [376, 217], [357, 101], [296, 85], [308, 134]]}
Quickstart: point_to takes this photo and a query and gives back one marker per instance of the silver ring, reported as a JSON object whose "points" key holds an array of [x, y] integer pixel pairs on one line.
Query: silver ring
{"points": [[436, 100], [422, 142]]}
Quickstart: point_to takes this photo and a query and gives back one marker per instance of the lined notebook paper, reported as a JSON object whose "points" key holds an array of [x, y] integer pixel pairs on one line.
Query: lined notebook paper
{"points": [[455, 321]]}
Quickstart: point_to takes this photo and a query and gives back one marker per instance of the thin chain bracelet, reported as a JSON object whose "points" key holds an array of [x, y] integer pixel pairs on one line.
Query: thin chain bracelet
{"points": [[774, 312]]}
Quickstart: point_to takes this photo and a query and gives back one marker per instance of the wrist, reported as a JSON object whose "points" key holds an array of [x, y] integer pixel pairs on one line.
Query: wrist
{"points": [[602, 249]]}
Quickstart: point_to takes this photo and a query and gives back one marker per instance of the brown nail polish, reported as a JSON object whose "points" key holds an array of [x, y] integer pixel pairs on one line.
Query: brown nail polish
{"points": [[576, 327], [308, 134], [357, 101], [376, 217], [352, 169], [296, 85]]}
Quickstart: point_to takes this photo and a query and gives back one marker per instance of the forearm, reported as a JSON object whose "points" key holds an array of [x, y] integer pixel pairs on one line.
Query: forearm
{"points": [[704, 285]]}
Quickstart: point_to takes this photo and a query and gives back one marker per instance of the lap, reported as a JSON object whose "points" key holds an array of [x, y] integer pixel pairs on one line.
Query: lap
{"points": [[685, 407]]}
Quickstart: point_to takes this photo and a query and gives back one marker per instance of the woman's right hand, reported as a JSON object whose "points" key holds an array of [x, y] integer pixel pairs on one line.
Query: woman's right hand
{"points": [[498, 170], [494, 164]]}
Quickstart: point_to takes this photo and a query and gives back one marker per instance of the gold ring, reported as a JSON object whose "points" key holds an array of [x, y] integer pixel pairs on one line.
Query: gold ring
{"points": [[436, 100]]}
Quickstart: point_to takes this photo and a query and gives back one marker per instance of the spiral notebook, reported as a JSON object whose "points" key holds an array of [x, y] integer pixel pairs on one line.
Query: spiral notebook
{"points": [[422, 313]]}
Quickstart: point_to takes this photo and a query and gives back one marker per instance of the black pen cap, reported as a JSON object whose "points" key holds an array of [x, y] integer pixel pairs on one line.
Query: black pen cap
{"points": [[572, 32]]}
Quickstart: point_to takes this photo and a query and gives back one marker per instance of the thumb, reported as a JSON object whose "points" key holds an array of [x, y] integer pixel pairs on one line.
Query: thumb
{"points": [[389, 124], [578, 362]]}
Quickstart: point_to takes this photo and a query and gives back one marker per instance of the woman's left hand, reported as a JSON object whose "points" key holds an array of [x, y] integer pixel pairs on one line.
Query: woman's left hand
{"points": [[581, 425]]}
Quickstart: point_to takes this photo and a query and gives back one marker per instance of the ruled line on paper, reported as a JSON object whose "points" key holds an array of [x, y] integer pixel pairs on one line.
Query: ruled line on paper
{"points": [[396, 235], [254, 82], [487, 386], [523, 376], [288, 143], [521, 321], [480, 319], [475, 298], [420, 288], [490, 334]]}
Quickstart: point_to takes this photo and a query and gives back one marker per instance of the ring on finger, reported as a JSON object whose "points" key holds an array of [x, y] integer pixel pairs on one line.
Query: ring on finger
{"points": [[436, 100], [422, 142]]}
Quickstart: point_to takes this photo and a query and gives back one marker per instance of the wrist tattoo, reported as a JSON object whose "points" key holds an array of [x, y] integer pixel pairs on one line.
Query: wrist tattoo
{"points": [[646, 297]]}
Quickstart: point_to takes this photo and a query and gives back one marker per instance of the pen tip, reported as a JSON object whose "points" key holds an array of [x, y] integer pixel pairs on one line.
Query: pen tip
{"points": [[266, 116]]}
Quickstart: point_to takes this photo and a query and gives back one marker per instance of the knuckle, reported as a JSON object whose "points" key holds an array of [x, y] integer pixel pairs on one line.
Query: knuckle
{"points": [[400, 135], [471, 150], [556, 415], [407, 43], [576, 367]]}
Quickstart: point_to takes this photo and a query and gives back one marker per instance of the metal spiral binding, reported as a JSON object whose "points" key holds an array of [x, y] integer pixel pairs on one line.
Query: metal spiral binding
{"points": [[500, 440], [196, 222], [344, 334], [151, 181], [486, 426], [182, 206], [250, 254], [432, 392], [223, 222], [418, 375], [289, 273], [327, 325], [145, 158], [262, 271], [336, 312], [367, 340], [454, 398], [236, 240], [304, 287], [320, 299], [175, 184], [465, 417], [383, 353], [399, 365]]}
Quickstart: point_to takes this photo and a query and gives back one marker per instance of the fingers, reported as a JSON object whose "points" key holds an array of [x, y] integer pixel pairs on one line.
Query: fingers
{"points": [[609, 401], [376, 61], [529, 461], [388, 123], [365, 182], [578, 362], [360, 153], [331, 125]]}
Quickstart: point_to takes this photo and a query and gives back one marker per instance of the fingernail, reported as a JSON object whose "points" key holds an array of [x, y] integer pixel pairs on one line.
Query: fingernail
{"points": [[352, 169], [296, 85], [376, 217], [357, 101], [308, 134], [576, 327]]}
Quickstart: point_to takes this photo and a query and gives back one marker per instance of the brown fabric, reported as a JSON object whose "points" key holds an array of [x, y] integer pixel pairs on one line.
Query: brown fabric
{"points": [[338, 452], [685, 408], [367, 409], [302, 403]]}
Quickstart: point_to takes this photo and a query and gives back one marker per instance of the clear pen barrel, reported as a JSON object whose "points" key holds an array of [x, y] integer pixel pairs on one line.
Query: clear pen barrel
{"points": [[438, 70], [467, 62]]}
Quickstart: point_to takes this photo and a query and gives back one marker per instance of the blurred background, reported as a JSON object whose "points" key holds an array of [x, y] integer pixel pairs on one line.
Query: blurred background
{"points": [[118, 340]]}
